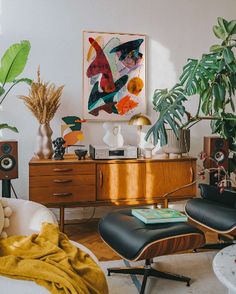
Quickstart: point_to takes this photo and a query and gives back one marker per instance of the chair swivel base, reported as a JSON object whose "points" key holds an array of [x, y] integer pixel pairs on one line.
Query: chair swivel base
{"points": [[147, 271]]}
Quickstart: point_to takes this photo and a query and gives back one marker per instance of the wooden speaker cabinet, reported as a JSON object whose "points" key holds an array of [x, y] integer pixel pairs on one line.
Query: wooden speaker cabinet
{"points": [[217, 151], [8, 160]]}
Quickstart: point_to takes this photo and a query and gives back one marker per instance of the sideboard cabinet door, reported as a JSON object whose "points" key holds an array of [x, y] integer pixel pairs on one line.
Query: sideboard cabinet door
{"points": [[120, 181], [166, 176]]}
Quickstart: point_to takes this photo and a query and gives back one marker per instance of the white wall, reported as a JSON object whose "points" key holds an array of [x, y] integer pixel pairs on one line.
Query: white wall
{"points": [[176, 30]]}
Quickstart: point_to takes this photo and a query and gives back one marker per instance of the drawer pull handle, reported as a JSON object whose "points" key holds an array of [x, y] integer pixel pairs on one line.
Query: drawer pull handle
{"points": [[62, 169], [62, 194], [62, 181]]}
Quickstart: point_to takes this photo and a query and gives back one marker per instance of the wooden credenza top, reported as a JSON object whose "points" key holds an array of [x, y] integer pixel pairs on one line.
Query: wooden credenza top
{"points": [[71, 158]]}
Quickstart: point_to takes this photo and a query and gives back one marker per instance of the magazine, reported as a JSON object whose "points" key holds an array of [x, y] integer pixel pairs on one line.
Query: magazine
{"points": [[155, 216]]}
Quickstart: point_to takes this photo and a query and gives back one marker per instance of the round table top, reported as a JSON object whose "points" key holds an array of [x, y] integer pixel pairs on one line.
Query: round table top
{"points": [[224, 266]]}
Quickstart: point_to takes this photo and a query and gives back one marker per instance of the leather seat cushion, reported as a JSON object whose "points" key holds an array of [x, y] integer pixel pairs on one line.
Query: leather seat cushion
{"points": [[127, 235], [212, 214]]}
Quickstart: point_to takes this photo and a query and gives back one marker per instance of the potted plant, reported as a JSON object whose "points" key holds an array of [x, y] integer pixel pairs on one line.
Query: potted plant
{"points": [[213, 79], [43, 101], [12, 65]]}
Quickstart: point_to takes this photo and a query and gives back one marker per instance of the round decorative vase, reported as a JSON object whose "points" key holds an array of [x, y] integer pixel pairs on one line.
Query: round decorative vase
{"points": [[44, 148], [177, 146]]}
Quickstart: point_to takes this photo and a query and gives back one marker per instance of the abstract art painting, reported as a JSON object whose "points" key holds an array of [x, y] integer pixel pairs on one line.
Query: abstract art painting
{"points": [[113, 75]]}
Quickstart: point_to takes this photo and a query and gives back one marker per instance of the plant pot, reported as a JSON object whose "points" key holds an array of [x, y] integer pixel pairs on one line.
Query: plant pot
{"points": [[44, 148], [177, 146]]}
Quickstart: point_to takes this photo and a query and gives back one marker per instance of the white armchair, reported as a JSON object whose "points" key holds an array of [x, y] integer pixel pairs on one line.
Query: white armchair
{"points": [[26, 219]]}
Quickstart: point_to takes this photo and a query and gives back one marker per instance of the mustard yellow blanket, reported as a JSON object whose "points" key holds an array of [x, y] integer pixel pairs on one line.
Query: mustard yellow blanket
{"points": [[49, 259]]}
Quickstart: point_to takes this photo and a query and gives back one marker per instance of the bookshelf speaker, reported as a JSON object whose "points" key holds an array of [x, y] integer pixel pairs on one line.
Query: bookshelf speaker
{"points": [[8, 160], [217, 152]]}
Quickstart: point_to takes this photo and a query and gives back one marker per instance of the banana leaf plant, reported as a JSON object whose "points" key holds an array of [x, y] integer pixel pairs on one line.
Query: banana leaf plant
{"points": [[211, 80], [12, 65]]}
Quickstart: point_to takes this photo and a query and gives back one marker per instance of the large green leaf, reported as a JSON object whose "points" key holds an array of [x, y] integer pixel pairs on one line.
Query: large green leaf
{"points": [[219, 94], [6, 126], [219, 32], [206, 99], [169, 104], [23, 80], [197, 74], [216, 48], [13, 61], [231, 27], [228, 55], [223, 24]]}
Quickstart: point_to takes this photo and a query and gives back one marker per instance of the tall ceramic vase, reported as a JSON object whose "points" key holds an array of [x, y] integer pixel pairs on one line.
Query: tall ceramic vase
{"points": [[44, 148]]}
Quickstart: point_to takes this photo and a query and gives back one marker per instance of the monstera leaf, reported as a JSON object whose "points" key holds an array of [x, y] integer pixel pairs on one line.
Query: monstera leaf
{"points": [[197, 74], [170, 106], [13, 61]]}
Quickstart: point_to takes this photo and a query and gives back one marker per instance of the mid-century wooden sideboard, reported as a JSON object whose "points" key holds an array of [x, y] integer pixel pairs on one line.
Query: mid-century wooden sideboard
{"points": [[72, 182]]}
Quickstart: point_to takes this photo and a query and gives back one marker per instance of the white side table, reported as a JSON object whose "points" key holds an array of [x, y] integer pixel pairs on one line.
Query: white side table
{"points": [[224, 266]]}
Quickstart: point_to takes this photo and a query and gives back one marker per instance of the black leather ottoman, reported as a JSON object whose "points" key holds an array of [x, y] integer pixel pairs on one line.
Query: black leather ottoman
{"points": [[133, 240]]}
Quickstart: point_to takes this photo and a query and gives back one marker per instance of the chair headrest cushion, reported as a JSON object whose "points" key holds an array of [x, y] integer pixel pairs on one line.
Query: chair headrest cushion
{"points": [[212, 193]]}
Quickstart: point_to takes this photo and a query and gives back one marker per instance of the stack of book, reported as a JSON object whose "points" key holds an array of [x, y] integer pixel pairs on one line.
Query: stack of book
{"points": [[155, 216]]}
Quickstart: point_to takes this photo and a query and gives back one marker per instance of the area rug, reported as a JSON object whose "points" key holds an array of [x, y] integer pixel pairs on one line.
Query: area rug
{"points": [[197, 266]]}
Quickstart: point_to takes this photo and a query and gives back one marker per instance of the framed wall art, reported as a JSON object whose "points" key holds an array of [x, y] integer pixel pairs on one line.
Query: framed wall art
{"points": [[114, 69]]}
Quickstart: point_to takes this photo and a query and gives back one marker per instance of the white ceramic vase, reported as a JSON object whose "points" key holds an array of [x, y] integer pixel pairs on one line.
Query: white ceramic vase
{"points": [[44, 148], [177, 146]]}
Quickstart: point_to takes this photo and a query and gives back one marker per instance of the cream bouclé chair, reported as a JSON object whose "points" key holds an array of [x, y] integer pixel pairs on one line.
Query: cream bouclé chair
{"points": [[26, 219]]}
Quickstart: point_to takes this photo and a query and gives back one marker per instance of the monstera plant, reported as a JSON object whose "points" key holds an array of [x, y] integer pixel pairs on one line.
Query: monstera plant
{"points": [[12, 65], [211, 80]]}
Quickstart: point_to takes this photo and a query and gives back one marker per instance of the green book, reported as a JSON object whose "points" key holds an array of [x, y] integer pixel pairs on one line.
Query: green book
{"points": [[155, 216]]}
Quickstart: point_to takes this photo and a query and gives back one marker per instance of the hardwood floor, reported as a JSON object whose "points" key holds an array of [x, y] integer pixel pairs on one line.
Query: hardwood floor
{"points": [[87, 234]]}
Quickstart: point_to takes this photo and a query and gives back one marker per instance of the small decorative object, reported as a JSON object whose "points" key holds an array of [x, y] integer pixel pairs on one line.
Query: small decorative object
{"points": [[43, 101], [81, 153], [71, 130], [113, 137], [140, 120], [59, 150], [5, 213], [114, 75], [148, 152]]}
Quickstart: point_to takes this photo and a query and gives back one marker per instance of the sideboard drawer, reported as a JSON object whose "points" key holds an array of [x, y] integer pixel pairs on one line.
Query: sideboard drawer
{"points": [[63, 194], [62, 169], [59, 180]]}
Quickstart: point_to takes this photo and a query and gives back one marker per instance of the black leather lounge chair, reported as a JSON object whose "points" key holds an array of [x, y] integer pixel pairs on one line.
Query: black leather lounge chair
{"points": [[215, 211], [133, 240]]}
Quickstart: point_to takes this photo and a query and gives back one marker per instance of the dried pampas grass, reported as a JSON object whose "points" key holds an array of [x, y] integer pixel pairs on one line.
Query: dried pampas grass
{"points": [[43, 100]]}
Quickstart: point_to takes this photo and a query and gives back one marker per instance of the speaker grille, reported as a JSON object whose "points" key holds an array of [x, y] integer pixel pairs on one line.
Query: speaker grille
{"points": [[217, 152], [6, 148], [8, 160]]}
